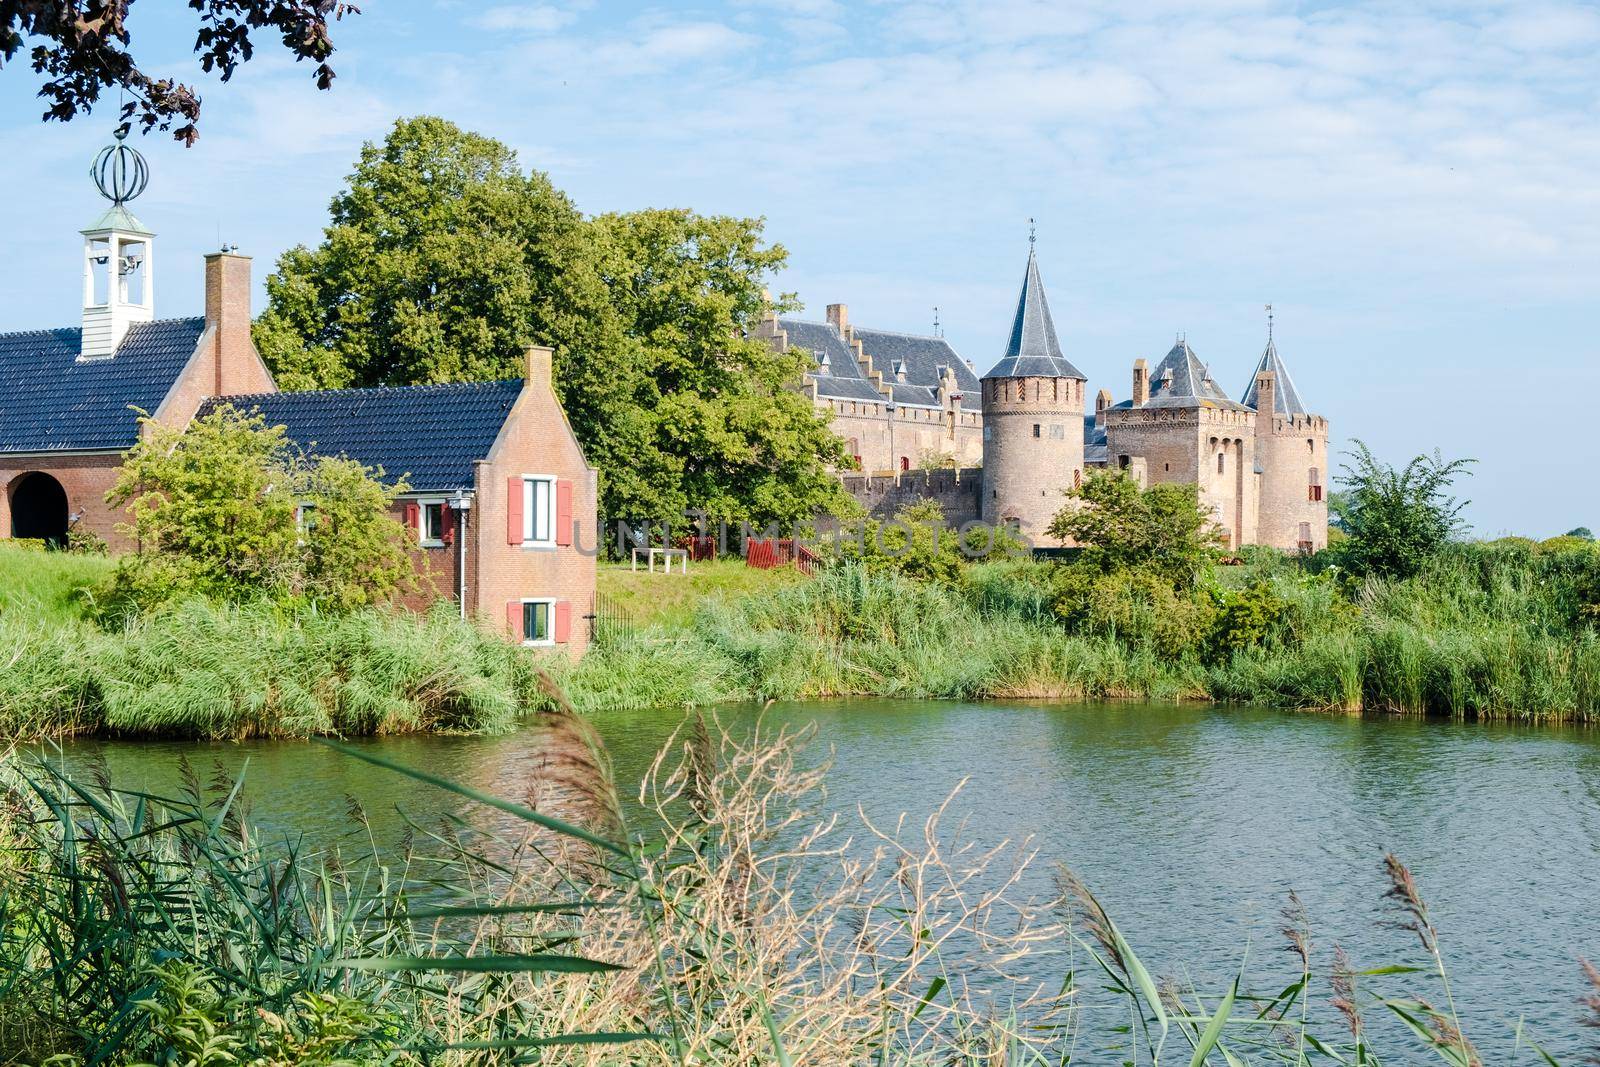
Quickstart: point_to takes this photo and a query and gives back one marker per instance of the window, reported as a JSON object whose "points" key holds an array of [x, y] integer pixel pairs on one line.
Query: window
{"points": [[433, 522], [905, 463], [1036, 429], [538, 622], [1221, 461], [988, 432], [538, 510], [305, 516]]}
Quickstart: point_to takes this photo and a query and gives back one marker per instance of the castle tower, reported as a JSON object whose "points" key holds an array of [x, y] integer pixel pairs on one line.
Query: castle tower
{"points": [[1292, 457], [1180, 427], [1032, 420], [118, 260]]}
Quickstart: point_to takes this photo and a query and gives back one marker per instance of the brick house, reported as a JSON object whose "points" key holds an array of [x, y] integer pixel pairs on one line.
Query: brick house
{"points": [[499, 495]]}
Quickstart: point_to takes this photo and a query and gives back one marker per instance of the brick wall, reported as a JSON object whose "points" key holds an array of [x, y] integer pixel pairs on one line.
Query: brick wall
{"points": [[85, 478], [959, 492]]}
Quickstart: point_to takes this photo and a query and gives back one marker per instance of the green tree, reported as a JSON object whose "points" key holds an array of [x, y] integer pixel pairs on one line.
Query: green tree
{"points": [[228, 509], [443, 261], [919, 544], [1581, 532], [1160, 530], [1397, 519]]}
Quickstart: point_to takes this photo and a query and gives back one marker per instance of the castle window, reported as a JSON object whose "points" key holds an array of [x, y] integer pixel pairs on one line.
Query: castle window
{"points": [[988, 431], [1221, 461], [1036, 429], [905, 463], [1122, 462], [1311, 445]]}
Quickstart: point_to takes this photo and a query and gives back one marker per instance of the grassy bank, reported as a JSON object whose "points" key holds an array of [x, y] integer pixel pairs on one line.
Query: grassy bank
{"points": [[1489, 631], [214, 671]]}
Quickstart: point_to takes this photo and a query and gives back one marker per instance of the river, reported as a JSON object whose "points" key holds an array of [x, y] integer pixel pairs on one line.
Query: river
{"points": [[1191, 823]]}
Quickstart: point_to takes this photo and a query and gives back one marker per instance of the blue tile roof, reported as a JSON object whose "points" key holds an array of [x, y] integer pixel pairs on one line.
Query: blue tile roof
{"points": [[430, 434], [1033, 350], [842, 377], [1181, 380], [1286, 398], [50, 402]]}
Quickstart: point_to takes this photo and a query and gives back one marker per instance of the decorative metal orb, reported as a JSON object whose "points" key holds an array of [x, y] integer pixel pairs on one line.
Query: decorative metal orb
{"points": [[119, 172]]}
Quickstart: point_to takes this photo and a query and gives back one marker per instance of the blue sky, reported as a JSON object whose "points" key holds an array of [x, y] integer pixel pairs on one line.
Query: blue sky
{"points": [[1412, 185]]}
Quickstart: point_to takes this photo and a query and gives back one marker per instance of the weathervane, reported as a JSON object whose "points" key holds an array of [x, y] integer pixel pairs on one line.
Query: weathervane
{"points": [[1269, 323], [119, 172], [936, 332], [1031, 233]]}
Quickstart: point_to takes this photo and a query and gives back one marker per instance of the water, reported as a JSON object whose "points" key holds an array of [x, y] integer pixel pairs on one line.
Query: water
{"points": [[1192, 824]]}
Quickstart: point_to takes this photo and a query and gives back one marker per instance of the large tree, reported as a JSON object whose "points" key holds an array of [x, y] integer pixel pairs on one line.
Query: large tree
{"points": [[443, 260], [84, 47], [1398, 519]]}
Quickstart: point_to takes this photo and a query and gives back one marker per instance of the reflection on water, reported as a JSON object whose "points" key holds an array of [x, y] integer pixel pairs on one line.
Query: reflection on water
{"points": [[1191, 823]]}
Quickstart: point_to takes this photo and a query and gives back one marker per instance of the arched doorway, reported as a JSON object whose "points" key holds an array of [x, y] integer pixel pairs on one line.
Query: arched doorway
{"points": [[39, 508]]}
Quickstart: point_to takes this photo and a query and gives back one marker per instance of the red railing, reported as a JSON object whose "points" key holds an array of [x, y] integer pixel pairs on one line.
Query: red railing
{"points": [[768, 552], [701, 548]]}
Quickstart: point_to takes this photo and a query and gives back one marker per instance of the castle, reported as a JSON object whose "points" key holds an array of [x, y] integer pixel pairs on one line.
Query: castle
{"points": [[1027, 437]]}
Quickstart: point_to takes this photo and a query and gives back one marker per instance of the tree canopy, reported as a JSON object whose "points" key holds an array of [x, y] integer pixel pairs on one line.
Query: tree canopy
{"points": [[1397, 519], [1160, 530], [85, 47], [228, 509], [443, 260]]}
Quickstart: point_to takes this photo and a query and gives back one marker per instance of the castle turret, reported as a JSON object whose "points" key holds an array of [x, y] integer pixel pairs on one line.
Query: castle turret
{"points": [[1292, 458], [1032, 420]]}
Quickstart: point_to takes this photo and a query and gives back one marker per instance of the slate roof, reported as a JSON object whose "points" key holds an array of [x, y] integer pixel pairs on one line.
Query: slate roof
{"points": [[1182, 381], [1094, 441], [50, 402], [843, 378], [1286, 396], [430, 434], [1033, 350]]}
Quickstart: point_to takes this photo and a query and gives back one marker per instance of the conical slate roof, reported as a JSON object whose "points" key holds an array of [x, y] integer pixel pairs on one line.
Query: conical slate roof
{"points": [[1181, 380], [1286, 396], [1033, 351]]}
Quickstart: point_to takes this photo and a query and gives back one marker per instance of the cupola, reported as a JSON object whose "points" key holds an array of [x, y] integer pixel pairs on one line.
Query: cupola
{"points": [[118, 255]]}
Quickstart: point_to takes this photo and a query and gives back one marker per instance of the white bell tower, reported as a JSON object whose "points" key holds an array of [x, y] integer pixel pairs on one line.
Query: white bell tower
{"points": [[118, 256]]}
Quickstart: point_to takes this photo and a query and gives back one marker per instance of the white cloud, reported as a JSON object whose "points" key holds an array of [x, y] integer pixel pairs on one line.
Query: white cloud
{"points": [[524, 18]]}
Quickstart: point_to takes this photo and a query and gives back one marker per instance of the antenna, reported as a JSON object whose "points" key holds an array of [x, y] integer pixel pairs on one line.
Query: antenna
{"points": [[1269, 324]]}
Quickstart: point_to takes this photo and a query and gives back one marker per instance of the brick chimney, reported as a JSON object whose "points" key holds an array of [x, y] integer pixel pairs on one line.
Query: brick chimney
{"points": [[1266, 400], [1102, 401], [238, 367], [839, 319], [1141, 383], [539, 368]]}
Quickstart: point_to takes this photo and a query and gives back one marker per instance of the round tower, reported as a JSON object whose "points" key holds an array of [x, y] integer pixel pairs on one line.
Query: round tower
{"points": [[1033, 424], [1291, 458]]}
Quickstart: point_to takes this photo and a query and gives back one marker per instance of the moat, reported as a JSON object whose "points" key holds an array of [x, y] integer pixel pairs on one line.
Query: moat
{"points": [[1191, 823]]}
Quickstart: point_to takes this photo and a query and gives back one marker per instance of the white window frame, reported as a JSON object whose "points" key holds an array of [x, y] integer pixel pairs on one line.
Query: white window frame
{"points": [[423, 504], [530, 512], [302, 512], [549, 622]]}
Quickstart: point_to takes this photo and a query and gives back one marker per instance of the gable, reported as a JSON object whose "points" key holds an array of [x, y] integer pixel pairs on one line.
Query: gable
{"points": [[51, 402], [429, 434]]}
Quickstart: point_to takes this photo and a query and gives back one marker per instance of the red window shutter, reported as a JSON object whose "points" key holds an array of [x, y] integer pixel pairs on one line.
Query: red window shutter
{"points": [[514, 618], [447, 522], [513, 511], [563, 511], [563, 622], [413, 514]]}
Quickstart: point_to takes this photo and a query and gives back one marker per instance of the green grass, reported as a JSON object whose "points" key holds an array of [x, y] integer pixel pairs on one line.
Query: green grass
{"points": [[47, 587], [671, 601]]}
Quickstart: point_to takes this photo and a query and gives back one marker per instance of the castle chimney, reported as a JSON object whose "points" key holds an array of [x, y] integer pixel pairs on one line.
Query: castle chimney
{"points": [[1141, 383], [1266, 400], [1102, 401], [839, 319], [228, 322]]}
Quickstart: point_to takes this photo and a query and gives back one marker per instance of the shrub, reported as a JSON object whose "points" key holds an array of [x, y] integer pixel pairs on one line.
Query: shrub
{"points": [[227, 509], [1160, 529], [1397, 520]]}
